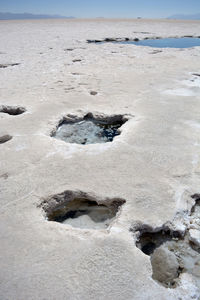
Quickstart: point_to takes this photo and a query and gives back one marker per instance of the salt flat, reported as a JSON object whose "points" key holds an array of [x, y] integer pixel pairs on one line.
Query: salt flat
{"points": [[49, 69]]}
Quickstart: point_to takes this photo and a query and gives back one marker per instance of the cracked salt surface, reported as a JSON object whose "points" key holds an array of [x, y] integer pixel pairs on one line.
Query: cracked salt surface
{"points": [[192, 87]]}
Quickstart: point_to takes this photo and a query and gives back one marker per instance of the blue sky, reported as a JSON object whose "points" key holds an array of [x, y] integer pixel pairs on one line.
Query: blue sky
{"points": [[103, 8]]}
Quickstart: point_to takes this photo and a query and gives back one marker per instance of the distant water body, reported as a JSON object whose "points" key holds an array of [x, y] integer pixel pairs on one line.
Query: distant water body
{"points": [[166, 43]]}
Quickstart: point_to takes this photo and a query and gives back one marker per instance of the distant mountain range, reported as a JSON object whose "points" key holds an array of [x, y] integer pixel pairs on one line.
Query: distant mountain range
{"points": [[186, 17], [24, 16]]}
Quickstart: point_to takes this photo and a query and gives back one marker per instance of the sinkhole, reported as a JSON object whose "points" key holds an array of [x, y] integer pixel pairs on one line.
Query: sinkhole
{"points": [[12, 110], [5, 138], [149, 241], [173, 252], [80, 210], [89, 129], [162, 246], [185, 42], [157, 42]]}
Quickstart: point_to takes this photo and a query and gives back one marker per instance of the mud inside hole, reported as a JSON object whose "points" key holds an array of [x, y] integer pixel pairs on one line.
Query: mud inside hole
{"points": [[83, 213], [89, 130]]}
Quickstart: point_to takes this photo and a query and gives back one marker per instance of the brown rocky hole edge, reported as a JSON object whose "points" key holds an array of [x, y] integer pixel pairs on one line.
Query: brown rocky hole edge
{"points": [[12, 110], [71, 206], [172, 251]]}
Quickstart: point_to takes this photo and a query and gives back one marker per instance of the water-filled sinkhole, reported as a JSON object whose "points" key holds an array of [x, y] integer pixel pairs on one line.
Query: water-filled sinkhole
{"points": [[89, 129], [182, 42], [81, 211], [167, 42]]}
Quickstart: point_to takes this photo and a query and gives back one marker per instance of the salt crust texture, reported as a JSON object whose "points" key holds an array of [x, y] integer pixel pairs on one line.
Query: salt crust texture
{"points": [[50, 70]]}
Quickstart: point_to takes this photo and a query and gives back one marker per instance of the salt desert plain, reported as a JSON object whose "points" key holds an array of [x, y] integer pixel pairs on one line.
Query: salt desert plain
{"points": [[152, 166]]}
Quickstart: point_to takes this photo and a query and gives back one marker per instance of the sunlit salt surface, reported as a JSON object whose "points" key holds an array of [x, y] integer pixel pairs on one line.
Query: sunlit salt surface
{"points": [[166, 43]]}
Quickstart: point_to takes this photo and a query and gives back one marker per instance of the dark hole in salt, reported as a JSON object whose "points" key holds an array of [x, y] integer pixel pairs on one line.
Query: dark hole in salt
{"points": [[165, 267], [84, 213], [5, 138], [149, 241], [149, 248], [172, 252], [12, 110]]}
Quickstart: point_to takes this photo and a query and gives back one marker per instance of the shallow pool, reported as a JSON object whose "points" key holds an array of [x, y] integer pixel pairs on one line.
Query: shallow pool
{"points": [[166, 43]]}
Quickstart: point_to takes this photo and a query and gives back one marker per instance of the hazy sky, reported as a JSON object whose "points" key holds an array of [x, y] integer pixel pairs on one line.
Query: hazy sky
{"points": [[103, 8]]}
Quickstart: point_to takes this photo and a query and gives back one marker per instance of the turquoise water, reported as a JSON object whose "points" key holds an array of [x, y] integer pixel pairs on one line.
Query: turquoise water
{"points": [[166, 43]]}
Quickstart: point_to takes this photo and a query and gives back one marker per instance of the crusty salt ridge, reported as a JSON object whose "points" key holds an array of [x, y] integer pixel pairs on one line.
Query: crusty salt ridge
{"points": [[153, 164]]}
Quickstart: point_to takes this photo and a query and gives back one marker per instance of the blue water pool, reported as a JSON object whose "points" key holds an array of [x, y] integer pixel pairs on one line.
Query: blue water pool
{"points": [[166, 43]]}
